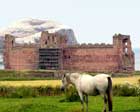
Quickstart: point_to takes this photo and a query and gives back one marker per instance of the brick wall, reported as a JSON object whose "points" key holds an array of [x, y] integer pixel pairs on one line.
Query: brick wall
{"points": [[116, 57], [23, 58], [91, 59]]}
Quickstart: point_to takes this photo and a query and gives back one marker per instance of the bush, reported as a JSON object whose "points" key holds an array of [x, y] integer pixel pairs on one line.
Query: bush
{"points": [[48, 90], [4, 91], [18, 92], [23, 92], [71, 94], [139, 82], [136, 73], [126, 90]]}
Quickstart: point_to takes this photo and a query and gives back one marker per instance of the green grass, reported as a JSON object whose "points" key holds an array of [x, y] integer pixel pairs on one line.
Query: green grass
{"points": [[11, 75], [136, 73], [53, 104]]}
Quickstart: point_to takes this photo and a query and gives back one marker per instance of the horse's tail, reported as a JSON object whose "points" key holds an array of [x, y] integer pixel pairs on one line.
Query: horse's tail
{"points": [[109, 94]]}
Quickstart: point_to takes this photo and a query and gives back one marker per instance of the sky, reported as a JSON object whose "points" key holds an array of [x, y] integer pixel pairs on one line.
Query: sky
{"points": [[93, 21]]}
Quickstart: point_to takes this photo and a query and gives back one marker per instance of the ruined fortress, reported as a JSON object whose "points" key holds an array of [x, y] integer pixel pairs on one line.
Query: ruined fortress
{"points": [[53, 53]]}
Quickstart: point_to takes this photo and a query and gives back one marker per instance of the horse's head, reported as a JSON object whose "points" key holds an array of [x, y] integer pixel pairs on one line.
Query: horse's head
{"points": [[65, 81]]}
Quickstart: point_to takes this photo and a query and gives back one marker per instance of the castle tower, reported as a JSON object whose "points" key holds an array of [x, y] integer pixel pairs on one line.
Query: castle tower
{"points": [[52, 40], [8, 45], [51, 50], [122, 45]]}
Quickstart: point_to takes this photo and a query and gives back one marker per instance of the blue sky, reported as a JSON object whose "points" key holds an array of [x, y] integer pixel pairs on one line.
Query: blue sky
{"points": [[92, 20]]}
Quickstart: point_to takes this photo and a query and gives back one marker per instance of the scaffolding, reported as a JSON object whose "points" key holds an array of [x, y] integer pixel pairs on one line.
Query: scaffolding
{"points": [[50, 58]]}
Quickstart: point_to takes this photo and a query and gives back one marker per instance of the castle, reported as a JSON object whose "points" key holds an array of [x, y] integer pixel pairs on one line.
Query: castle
{"points": [[53, 53]]}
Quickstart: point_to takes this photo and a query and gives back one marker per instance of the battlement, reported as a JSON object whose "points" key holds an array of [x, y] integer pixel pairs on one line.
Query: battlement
{"points": [[10, 43], [121, 36], [26, 45], [90, 45]]}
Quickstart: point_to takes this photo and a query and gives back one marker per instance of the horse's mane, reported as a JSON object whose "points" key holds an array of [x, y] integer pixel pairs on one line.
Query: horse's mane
{"points": [[75, 75]]}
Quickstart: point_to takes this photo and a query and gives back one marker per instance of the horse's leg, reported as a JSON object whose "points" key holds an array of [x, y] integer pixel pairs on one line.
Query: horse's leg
{"points": [[86, 100], [82, 100], [105, 102]]}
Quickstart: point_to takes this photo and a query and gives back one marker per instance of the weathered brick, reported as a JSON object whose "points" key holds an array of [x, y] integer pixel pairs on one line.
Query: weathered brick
{"points": [[117, 57]]}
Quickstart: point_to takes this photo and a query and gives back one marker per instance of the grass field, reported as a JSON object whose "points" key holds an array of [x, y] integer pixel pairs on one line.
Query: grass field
{"points": [[131, 80], [34, 83], [53, 104]]}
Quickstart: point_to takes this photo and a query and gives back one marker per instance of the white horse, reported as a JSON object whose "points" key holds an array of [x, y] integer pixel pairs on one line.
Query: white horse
{"points": [[88, 85]]}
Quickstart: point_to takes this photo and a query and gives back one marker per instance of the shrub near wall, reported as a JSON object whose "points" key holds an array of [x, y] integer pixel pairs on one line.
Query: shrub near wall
{"points": [[24, 91], [126, 90], [71, 94]]}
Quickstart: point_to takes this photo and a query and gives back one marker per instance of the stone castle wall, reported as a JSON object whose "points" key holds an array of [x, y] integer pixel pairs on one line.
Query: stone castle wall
{"points": [[116, 57], [23, 58], [19, 57], [91, 59]]}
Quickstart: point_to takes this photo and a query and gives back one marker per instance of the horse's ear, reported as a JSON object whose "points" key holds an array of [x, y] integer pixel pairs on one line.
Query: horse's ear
{"points": [[62, 72], [67, 75]]}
